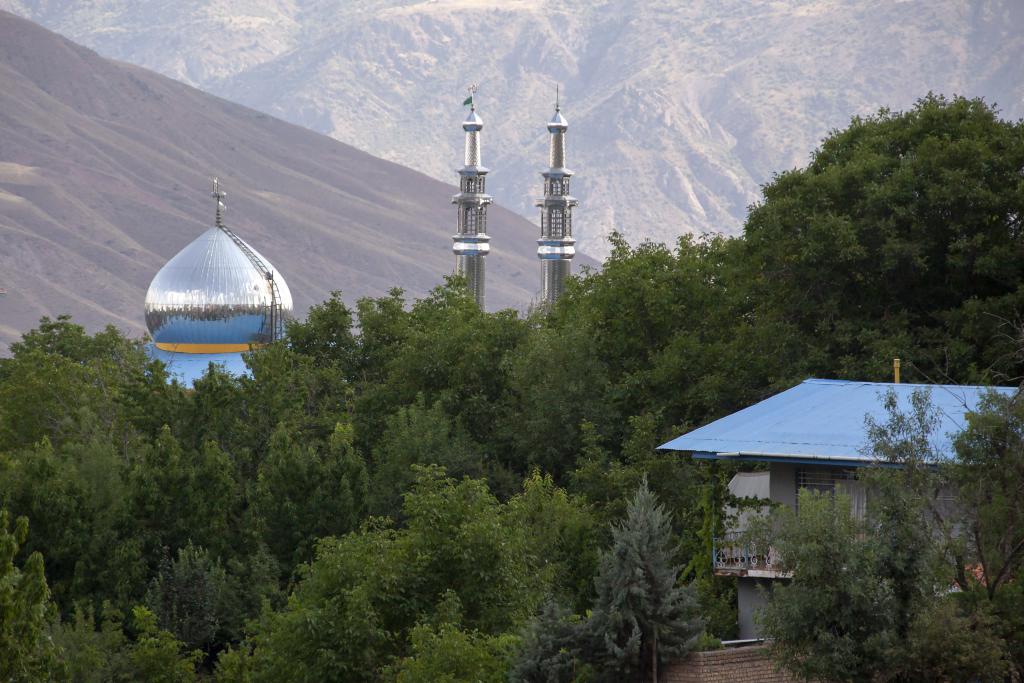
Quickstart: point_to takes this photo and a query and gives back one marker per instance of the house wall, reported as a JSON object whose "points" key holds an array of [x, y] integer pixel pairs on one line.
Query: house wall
{"points": [[750, 598], [782, 484], [750, 592]]}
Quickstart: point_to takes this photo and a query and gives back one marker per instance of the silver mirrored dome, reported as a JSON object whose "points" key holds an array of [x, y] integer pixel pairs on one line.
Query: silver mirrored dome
{"points": [[210, 298]]}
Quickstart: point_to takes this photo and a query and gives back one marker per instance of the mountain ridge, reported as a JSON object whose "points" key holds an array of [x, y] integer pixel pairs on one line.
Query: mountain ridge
{"points": [[678, 113], [104, 175]]}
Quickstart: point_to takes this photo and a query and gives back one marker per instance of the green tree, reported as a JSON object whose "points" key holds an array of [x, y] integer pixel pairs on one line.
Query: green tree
{"points": [[156, 655], [447, 654], [551, 648], [177, 495], [557, 382], [851, 613], [667, 333], [190, 598], [989, 476], [326, 335], [459, 538], [305, 394], [342, 620], [971, 504], [900, 238], [26, 651], [441, 650], [214, 412], [63, 384], [91, 654], [563, 537], [641, 616], [307, 492], [418, 435], [45, 487], [452, 353], [837, 619], [234, 665], [384, 327], [353, 612]]}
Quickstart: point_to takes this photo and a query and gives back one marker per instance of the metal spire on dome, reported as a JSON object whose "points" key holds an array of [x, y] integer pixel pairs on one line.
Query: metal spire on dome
{"points": [[219, 196], [273, 326], [471, 242], [556, 245]]}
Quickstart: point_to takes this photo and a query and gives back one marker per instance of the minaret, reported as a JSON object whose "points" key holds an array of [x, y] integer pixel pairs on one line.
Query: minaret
{"points": [[556, 246], [471, 243]]}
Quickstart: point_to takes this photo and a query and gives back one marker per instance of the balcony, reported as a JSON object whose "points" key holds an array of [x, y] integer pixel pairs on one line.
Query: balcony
{"points": [[731, 556]]}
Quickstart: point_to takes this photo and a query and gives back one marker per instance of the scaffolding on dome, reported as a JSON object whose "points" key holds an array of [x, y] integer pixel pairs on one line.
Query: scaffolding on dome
{"points": [[273, 324]]}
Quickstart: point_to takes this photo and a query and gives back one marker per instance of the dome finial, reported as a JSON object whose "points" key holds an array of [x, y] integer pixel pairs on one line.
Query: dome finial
{"points": [[557, 99], [219, 196], [473, 122]]}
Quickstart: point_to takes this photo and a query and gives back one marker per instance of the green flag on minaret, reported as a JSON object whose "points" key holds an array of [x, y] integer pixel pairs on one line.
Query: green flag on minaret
{"points": [[468, 102]]}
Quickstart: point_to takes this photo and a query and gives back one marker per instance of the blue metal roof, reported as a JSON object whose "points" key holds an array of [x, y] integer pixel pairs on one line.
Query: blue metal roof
{"points": [[188, 367], [822, 419]]}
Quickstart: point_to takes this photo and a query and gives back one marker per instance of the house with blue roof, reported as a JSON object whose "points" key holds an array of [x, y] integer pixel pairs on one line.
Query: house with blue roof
{"points": [[811, 436]]}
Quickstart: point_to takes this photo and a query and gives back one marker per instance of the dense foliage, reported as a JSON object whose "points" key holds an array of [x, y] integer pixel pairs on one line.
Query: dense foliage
{"points": [[417, 491], [641, 618]]}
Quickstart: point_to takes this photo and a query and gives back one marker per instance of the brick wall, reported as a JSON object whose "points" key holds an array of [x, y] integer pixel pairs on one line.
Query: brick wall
{"points": [[749, 664]]}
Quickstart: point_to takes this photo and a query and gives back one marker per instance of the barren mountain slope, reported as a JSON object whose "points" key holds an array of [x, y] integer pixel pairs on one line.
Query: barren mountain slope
{"points": [[678, 110], [105, 172]]}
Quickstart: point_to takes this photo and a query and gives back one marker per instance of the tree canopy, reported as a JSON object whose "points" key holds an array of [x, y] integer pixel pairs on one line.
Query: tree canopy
{"points": [[412, 490]]}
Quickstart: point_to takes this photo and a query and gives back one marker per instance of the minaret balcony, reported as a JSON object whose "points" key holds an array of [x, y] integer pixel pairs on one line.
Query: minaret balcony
{"points": [[556, 249], [562, 200], [471, 245], [472, 198]]}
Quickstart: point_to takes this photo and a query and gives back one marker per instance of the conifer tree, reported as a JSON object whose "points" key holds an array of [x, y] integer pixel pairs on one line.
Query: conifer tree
{"points": [[641, 618], [189, 597], [549, 652]]}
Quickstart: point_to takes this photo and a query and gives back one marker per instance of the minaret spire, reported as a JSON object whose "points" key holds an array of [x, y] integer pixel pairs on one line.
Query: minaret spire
{"points": [[556, 245], [219, 195], [471, 242]]}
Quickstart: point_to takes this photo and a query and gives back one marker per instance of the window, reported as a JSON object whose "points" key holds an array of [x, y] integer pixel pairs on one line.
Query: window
{"points": [[556, 223], [832, 479]]}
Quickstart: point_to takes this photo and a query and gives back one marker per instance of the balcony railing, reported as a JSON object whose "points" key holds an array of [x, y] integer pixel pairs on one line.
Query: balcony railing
{"points": [[731, 556]]}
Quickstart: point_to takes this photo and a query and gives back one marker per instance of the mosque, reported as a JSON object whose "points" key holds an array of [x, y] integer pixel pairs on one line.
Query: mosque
{"points": [[218, 297]]}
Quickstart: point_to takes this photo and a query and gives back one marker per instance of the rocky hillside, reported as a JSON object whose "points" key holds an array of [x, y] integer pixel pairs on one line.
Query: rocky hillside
{"points": [[679, 111], [105, 173]]}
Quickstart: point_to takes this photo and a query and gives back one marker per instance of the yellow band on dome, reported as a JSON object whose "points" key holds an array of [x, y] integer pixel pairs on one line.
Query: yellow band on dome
{"points": [[206, 348]]}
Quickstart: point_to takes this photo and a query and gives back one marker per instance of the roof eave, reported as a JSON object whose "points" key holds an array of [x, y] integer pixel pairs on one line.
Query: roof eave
{"points": [[801, 459]]}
